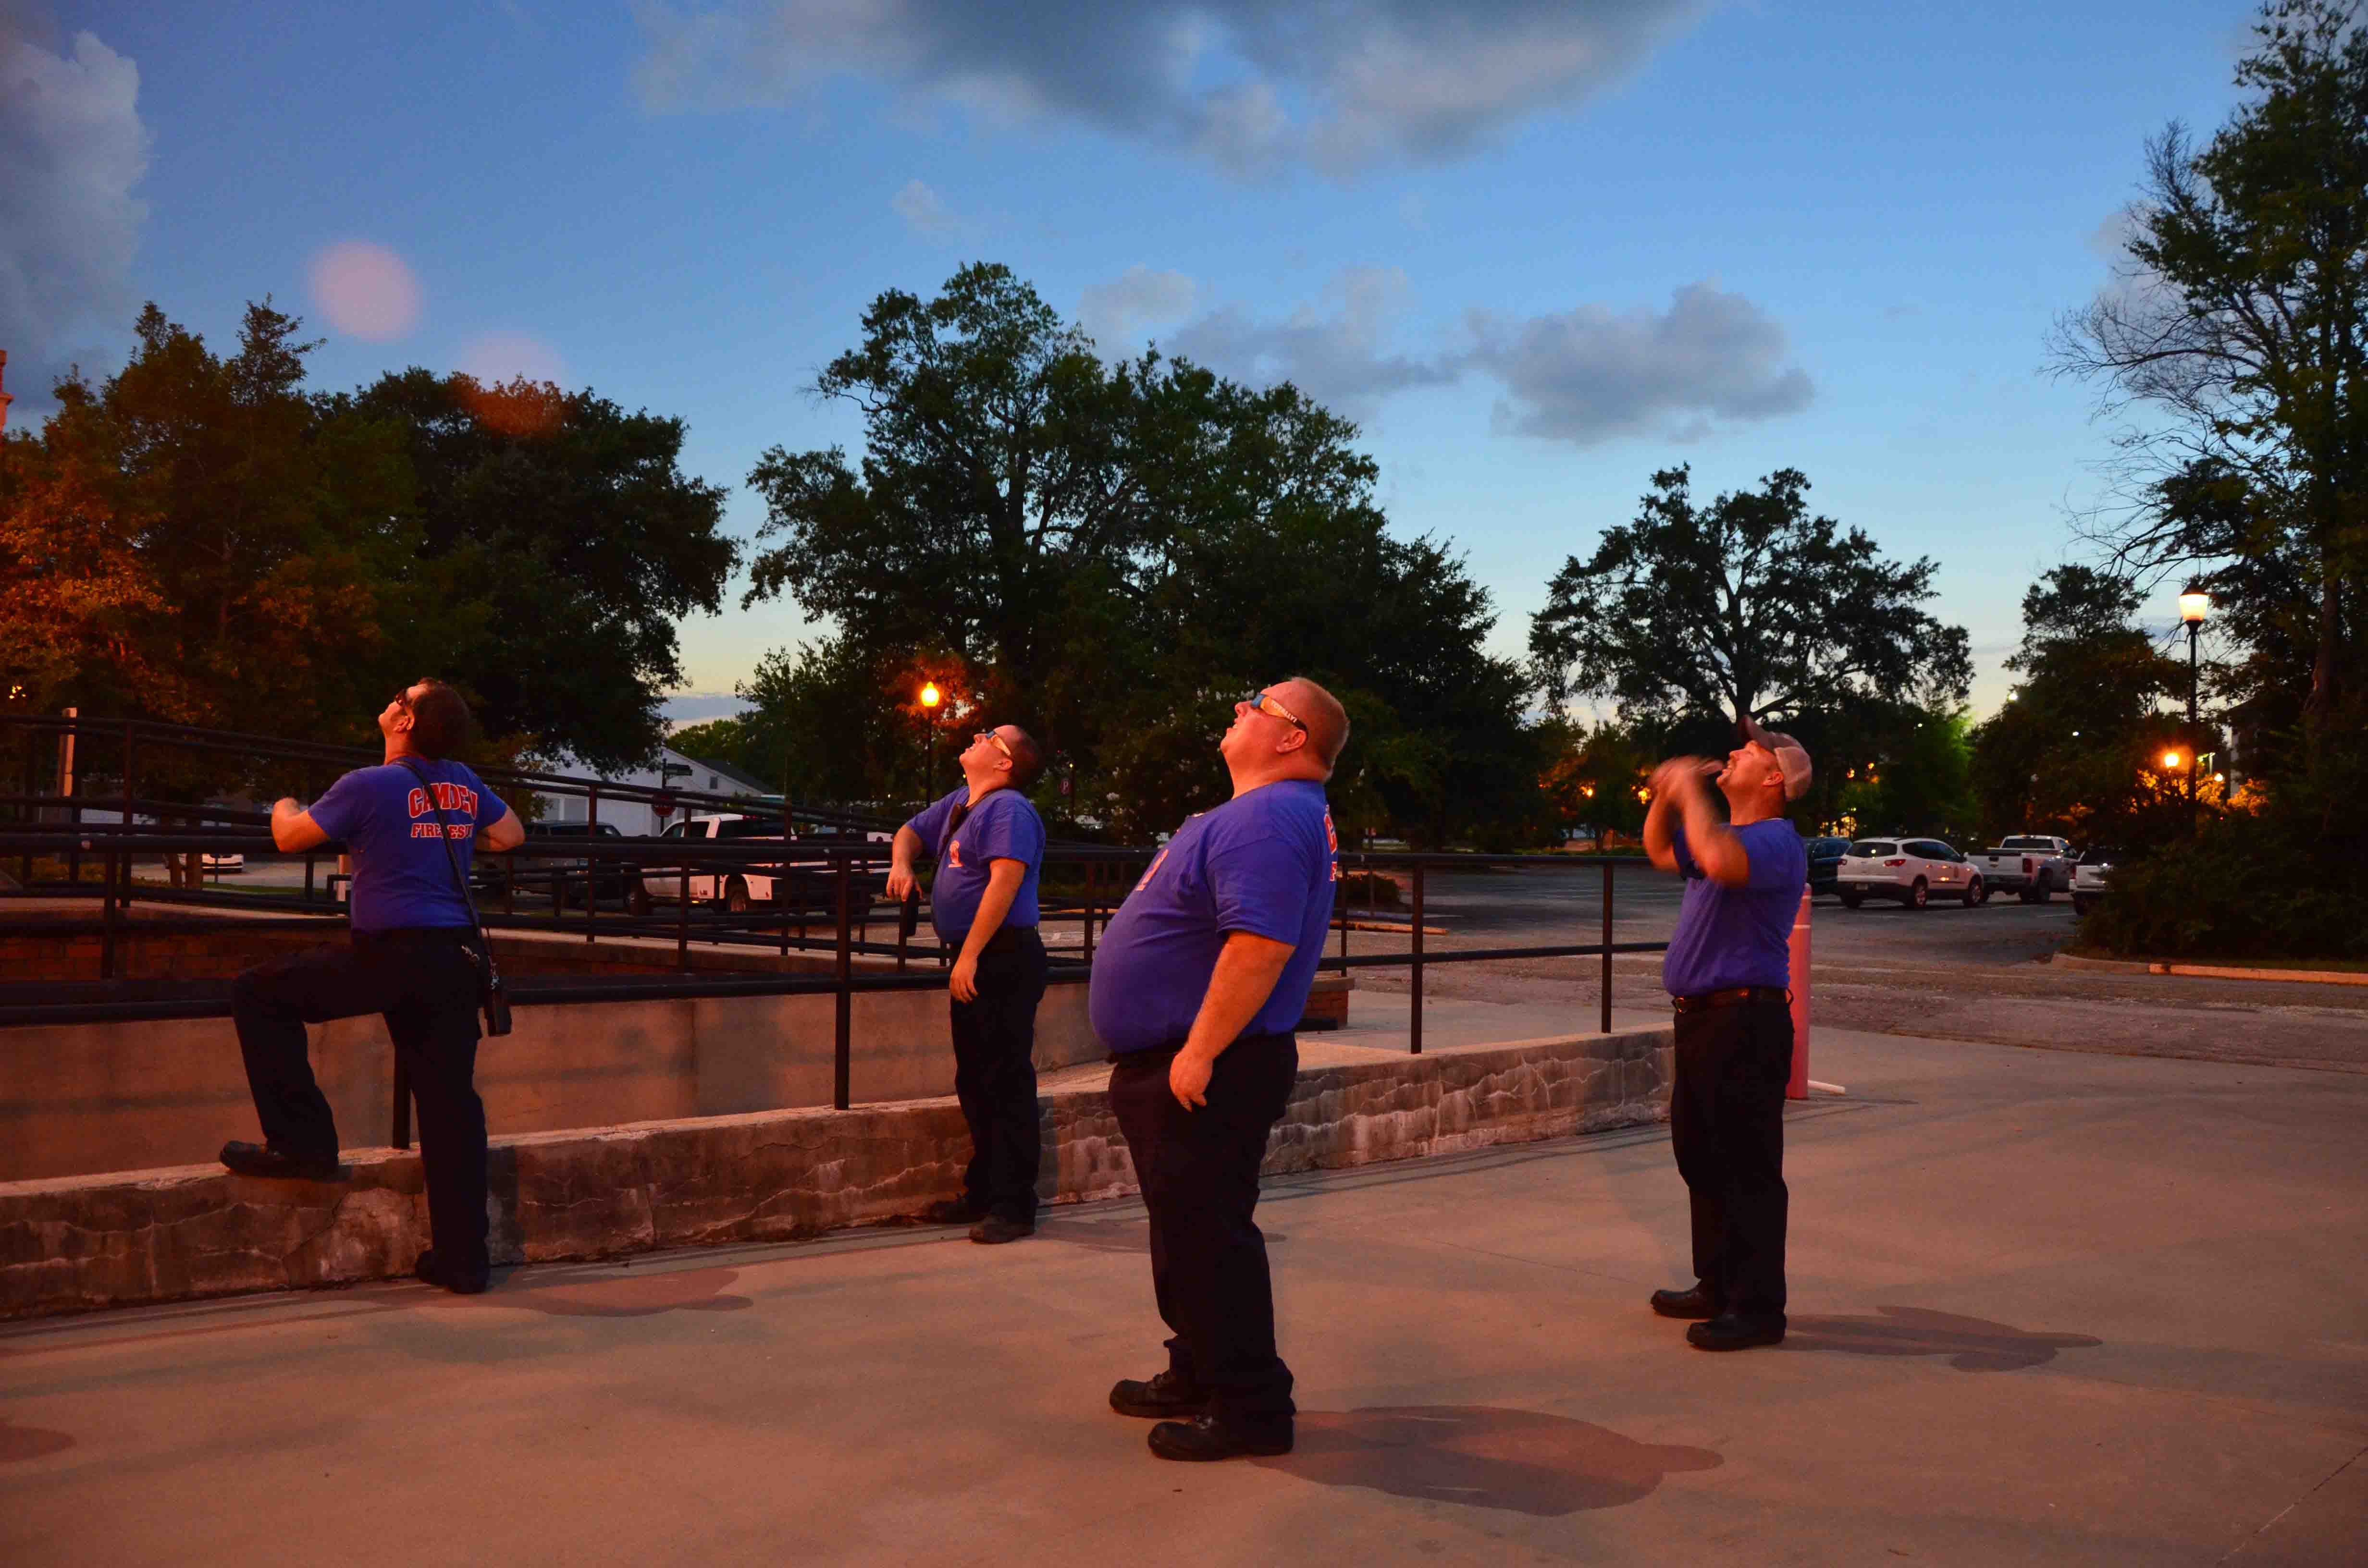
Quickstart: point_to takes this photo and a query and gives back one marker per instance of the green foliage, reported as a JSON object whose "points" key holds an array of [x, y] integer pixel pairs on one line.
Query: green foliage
{"points": [[1747, 605], [1108, 556], [2288, 879], [565, 532], [2076, 749], [2243, 326], [1920, 782]]}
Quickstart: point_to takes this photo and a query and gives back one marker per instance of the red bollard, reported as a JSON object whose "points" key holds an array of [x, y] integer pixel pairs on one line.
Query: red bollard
{"points": [[1798, 1089]]}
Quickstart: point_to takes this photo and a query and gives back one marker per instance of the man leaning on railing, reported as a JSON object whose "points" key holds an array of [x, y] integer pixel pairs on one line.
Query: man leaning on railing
{"points": [[409, 826]]}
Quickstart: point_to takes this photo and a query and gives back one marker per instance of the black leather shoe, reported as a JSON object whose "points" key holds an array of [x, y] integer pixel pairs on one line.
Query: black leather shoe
{"points": [[427, 1272], [1163, 1398], [263, 1160], [995, 1229], [1700, 1301], [950, 1211], [1203, 1438], [1729, 1332]]}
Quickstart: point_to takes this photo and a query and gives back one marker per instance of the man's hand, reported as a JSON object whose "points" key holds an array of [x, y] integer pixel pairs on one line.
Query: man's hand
{"points": [[902, 850], [1678, 777], [901, 882], [963, 981], [294, 831], [1188, 1078]]}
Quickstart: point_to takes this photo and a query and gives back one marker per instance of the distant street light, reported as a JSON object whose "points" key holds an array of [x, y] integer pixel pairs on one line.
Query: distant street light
{"points": [[2171, 759], [2193, 606], [930, 698]]}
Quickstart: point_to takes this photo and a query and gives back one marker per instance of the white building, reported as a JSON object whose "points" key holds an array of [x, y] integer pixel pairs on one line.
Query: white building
{"points": [[672, 770]]}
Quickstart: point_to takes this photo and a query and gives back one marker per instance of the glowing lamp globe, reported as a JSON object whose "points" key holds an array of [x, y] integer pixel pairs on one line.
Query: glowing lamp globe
{"points": [[2193, 606], [931, 696]]}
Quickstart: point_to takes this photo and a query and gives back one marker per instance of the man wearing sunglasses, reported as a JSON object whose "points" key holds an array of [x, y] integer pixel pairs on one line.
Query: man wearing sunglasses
{"points": [[1197, 986], [1727, 970], [990, 847], [410, 956]]}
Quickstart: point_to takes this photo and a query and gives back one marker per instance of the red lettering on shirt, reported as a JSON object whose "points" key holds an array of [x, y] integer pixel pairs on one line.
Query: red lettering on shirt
{"points": [[450, 797], [1156, 862], [418, 805], [953, 852]]}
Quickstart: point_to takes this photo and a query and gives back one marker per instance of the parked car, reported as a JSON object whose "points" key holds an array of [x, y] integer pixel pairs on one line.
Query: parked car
{"points": [[1913, 870], [806, 883], [209, 861], [562, 878], [1826, 863], [2031, 865], [2090, 877]]}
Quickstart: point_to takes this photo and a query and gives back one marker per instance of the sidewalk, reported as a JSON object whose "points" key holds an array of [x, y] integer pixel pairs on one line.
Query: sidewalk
{"points": [[2047, 1308]]}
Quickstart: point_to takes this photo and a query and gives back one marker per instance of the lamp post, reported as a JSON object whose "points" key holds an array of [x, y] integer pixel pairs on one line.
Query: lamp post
{"points": [[930, 698], [2194, 604]]}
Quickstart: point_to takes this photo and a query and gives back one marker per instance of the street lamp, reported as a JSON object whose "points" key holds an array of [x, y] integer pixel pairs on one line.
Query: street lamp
{"points": [[2194, 604], [930, 698]]}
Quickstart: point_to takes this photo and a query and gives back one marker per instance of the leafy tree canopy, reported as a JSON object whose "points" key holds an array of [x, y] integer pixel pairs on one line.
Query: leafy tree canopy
{"points": [[1750, 603]]}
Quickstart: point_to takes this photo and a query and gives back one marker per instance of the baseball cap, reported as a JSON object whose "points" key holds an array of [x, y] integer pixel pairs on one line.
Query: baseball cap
{"points": [[1791, 756]]}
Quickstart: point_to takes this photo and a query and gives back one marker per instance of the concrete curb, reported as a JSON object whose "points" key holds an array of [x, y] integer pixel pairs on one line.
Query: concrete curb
{"points": [[76, 1242], [2211, 971]]}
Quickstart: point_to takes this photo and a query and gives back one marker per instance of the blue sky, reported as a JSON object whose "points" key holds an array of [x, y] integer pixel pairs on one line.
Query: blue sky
{"points": [[1538, 250]]}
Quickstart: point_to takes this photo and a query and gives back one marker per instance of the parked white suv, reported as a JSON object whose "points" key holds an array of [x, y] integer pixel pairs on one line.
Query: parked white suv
{"points": [[1913, 870]]}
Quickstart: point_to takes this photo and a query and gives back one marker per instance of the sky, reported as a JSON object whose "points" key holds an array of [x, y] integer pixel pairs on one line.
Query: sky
{"points": [[1537, 250]]}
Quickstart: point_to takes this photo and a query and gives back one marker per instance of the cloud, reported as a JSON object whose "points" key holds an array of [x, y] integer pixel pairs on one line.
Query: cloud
{"points": [[1252, 85], [1113, 314], [1590, 374], [1333, 351], [71, 152], [923, 210]]}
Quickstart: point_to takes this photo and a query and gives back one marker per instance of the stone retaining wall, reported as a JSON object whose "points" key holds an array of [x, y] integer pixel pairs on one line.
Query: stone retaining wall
{"points": [[197, 1231]]}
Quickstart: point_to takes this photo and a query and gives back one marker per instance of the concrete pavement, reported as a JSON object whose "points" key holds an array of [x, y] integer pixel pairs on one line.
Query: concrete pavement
{"points": [[2047, 1307]]}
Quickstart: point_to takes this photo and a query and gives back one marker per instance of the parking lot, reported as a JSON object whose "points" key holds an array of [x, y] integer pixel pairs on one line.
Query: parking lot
{"points": [[1945, 971]]}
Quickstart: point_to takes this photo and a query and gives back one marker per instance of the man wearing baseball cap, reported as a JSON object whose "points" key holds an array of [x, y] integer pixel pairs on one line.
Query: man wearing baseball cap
{"points": [[1728, 972]]}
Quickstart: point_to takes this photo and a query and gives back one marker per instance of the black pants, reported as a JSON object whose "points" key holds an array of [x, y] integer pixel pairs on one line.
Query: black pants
{"points": [[994, 1076], [1727, 1121], [425, 984], [1199, 1170]]}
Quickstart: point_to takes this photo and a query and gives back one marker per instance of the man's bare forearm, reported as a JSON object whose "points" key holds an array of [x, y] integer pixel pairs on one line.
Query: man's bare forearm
{"points": [[1003, 880], [1712, 844], [1248, 968]]}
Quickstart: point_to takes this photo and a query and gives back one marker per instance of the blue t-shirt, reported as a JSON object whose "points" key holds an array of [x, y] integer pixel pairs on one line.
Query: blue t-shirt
{"points": [[1263, 862], [400, 878], [1003, 826], [1728, 936]]}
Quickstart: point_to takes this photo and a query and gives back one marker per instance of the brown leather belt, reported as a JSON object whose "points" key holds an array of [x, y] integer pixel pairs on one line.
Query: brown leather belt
{"points": [[1740, 996]]}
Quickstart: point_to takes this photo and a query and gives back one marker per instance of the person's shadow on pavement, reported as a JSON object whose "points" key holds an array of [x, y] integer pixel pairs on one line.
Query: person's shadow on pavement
{"points": [[1482, 1456], [1971, 1345]]}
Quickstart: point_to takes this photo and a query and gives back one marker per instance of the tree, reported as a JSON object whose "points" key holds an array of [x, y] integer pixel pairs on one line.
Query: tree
{"points": [[1750, 604], [2241, 320], [567, 542], [2076, 747], [195, 539], [1109, 555]]}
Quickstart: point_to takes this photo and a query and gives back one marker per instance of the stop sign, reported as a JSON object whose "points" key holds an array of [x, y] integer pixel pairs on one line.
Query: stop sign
{"points": [[663, 803]]}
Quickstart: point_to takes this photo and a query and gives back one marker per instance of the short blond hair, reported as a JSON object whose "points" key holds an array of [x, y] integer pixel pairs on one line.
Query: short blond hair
{"points": [[1327, 721]]}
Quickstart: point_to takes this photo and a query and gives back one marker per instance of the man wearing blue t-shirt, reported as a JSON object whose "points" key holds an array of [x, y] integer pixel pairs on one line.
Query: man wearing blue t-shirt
{"points": [[990, 847], [1196, 991], [412, 957], [1728, 972]]}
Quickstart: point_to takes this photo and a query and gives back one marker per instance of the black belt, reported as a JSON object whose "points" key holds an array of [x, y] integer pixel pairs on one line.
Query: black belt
{"points": [[1741, 995], [1167, 1049]]}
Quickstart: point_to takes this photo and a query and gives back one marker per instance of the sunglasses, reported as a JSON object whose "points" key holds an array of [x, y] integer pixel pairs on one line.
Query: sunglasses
{"points": [[1001, 745], [1273, 709]]}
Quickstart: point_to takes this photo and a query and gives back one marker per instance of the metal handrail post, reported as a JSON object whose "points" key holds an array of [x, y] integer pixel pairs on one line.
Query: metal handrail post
{"points": [[399, 1119], [1093, 897], [1414, 1029], [1607, 946], [846, 999], [106, 942], [682, 919], [591, 864]]}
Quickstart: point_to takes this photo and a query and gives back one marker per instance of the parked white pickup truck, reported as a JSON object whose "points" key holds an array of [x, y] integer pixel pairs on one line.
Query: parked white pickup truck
{"points": [[2031, 866], [794, 880]]}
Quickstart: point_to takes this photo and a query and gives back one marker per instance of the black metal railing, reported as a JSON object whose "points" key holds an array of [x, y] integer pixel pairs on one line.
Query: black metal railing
{"points": [[836, 883]]}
